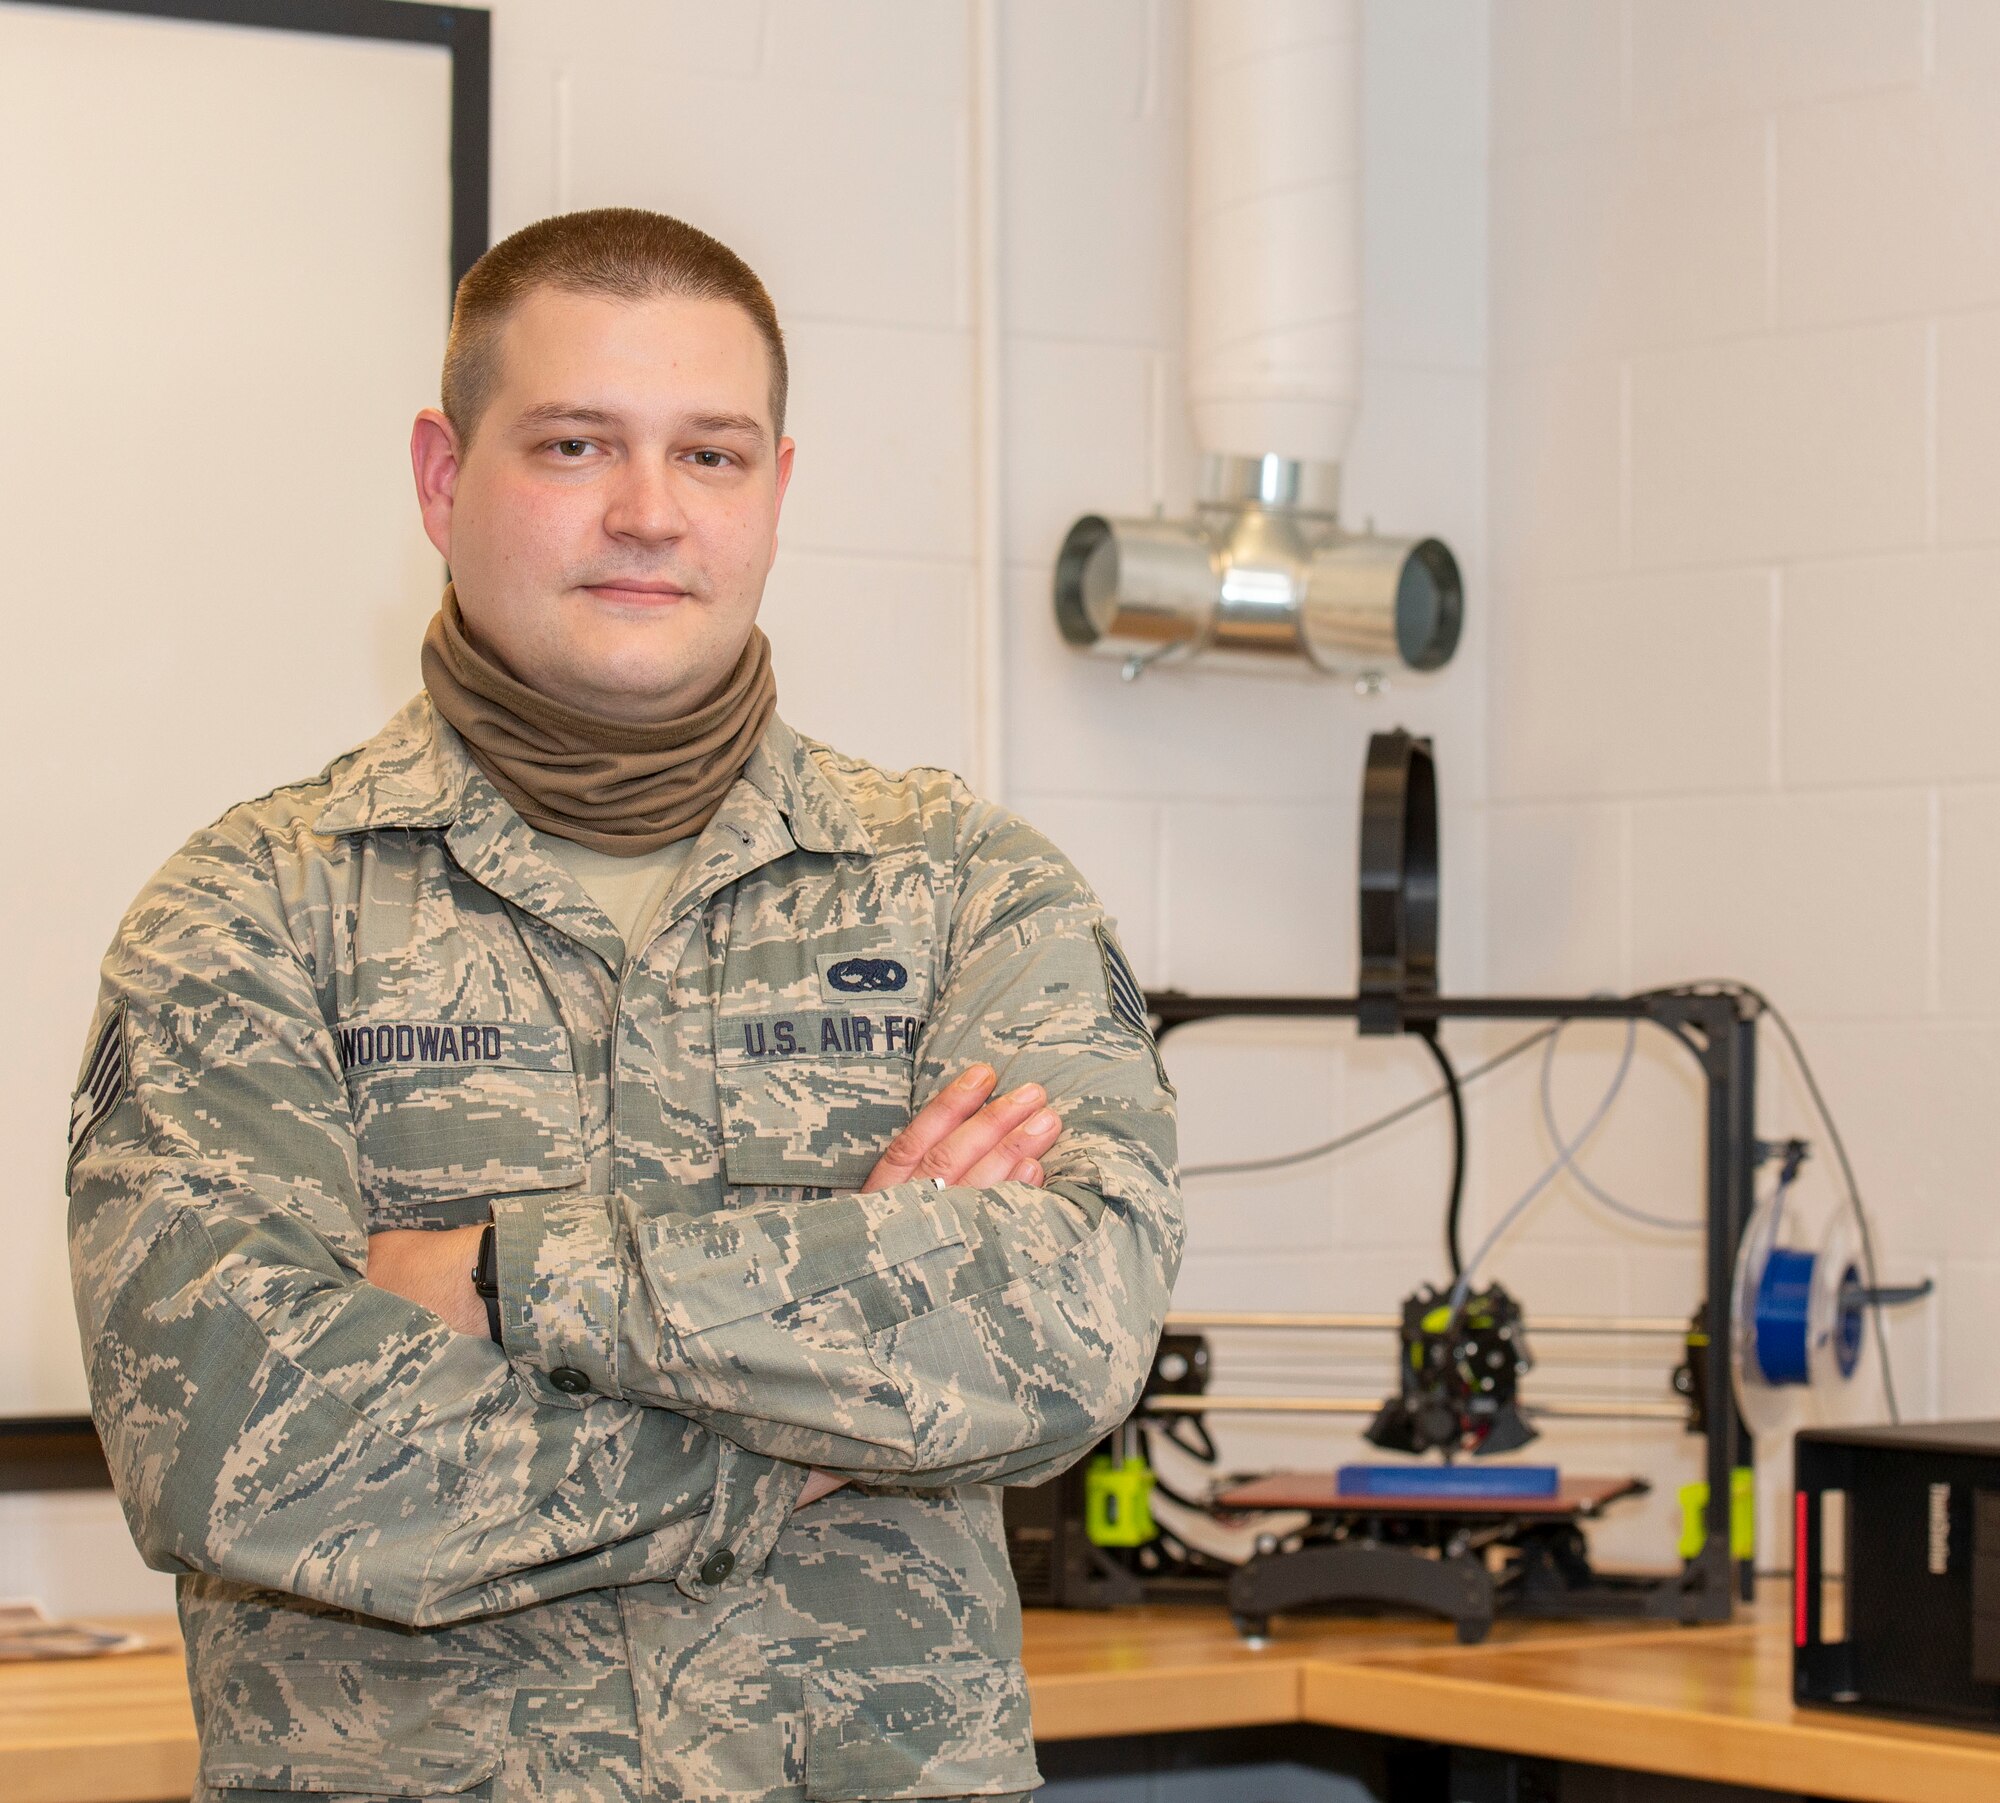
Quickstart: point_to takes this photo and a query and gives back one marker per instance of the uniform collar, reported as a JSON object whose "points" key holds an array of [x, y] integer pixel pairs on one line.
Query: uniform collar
{"points": [[784, 771], [411, 773], [417, 772]]}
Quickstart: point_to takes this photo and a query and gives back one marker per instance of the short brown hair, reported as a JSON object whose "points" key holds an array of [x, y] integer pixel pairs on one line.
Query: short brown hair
{"points": [[621, 251]]}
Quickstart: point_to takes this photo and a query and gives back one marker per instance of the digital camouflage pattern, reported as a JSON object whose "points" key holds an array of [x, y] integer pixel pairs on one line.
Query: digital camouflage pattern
{"points": [[418, 1564]]}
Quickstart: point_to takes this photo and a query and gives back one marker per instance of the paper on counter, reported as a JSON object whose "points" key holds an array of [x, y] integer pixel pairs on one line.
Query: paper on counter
{"points": [[26, 1632]]}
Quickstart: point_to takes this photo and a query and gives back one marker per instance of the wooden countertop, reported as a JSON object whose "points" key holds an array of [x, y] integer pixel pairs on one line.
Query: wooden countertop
{"points": [[1712, 1703], [117, 1728], [1694, 1702]]}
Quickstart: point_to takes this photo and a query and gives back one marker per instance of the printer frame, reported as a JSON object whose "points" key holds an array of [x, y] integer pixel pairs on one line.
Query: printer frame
{"points": [[1719, 1028]]}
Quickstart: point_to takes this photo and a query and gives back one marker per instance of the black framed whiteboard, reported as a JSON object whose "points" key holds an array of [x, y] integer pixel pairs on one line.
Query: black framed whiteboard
{"points": [[232, 230]]}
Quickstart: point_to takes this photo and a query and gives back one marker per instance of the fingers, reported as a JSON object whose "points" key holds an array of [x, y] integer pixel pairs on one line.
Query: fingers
{"points": [[952, 1106], [953, 1139], [953, 1158], [1024, 1144], [818, 1483]]}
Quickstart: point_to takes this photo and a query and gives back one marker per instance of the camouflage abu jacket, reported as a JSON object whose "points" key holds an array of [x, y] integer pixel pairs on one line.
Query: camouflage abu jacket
{"points": [[416, 1563]]}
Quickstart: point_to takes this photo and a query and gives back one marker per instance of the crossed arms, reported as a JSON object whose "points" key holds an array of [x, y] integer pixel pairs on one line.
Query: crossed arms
{"points": [[273, 1416], [963, 1135]]}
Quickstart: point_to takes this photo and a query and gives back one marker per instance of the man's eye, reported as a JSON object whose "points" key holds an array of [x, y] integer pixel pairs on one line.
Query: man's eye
{"points": [[572, 447], [712, 460]]}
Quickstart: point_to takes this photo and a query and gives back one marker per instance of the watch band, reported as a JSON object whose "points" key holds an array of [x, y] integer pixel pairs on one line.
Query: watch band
{"points": [[486, 1279]]}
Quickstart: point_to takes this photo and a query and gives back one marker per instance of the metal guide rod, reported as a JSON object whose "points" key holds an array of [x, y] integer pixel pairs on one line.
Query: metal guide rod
{"points": [[1362, 1405], [1200, 1320]]}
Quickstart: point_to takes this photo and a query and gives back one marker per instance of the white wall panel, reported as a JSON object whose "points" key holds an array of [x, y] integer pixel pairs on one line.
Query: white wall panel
{"points": [[1558, 75], [1903, 1091], [1884, 205], [824, 210], [1098, 59], [1968, 428], [230, 261], [1556, 470], [871, 410], [1821, 899], [1832, 829], [1556, 878], [1080, 421], [1968, 881], [1888, 668], [1653, 239], [875, 47], [1699, 58], [1635, 685], [1262, 895], [1787, 445], [1093, 224], [1423, 282], [834, 614]]}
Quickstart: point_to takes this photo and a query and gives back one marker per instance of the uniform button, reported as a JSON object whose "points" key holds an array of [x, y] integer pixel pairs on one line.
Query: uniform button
{"points": [[569, 1380], [718, 1565]]}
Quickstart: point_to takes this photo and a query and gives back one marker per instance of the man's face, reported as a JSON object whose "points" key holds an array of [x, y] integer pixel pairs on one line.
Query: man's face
{"points": [[611, 524]]}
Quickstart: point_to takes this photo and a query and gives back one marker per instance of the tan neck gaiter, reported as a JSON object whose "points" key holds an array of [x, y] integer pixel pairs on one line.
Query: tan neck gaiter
{"points": [[613, 785]]}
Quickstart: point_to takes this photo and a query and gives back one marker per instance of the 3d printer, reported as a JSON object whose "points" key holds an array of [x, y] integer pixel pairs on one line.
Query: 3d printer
{"points": [[1463, 1540]]}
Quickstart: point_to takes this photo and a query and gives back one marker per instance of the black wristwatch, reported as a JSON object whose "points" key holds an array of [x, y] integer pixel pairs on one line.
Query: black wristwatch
{"points": [[486, 1279]]}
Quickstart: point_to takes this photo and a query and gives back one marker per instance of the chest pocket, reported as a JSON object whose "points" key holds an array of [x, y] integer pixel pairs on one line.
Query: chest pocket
{"points": [[810, 1097], [449, 1115]]}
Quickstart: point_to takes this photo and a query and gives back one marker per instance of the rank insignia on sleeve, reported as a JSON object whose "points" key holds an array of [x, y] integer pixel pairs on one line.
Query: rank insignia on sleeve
{"points": [[104, 1079], [1128, 1000]]}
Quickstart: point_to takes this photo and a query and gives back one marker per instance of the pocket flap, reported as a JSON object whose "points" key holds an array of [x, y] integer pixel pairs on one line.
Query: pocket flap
{"points": [[725, 1267], [946, 1730], [383, 1728], [504, 1118], [820, 1122]]}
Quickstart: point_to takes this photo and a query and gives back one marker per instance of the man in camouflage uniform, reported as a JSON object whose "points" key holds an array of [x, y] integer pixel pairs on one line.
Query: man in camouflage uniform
{"points": [[576, 1564]]}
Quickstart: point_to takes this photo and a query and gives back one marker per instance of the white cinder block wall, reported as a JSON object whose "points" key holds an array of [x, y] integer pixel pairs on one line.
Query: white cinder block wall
{"points": [[1745, 559]]}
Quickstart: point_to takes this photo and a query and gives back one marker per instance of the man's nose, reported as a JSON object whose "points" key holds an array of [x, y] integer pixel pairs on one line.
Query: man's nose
{"points": [[645, 504]]}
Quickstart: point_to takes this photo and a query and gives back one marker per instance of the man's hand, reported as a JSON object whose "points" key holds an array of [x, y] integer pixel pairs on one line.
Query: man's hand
{"points": [[953, 1138], [432, 1267]]}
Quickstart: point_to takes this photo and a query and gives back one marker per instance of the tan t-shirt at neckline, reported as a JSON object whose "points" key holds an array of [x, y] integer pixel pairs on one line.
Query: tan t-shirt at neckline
{"points": [[627, 891]]}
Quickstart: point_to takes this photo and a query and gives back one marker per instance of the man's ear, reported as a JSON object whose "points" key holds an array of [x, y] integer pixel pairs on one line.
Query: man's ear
{"points": [[785, 450], [784, 461], [434, 460]]}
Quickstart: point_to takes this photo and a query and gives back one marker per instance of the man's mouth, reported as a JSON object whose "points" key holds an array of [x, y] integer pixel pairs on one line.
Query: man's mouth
{"points": [[636, 590]]}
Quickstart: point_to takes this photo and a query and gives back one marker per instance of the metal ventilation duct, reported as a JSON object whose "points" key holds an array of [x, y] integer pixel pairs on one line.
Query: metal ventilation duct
{"points": [[1264, 571]]}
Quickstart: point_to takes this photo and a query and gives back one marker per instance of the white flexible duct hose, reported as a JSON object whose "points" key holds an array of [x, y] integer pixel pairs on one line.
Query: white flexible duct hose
{"points": [[1274, 226]]}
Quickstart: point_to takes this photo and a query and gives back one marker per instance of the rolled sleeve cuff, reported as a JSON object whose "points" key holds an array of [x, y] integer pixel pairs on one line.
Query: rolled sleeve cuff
{"points": [[560, 1281], [754, 1498]]}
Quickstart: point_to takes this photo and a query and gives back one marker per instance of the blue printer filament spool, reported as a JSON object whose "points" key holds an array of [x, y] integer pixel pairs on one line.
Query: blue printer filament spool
{"points": [[1784, 1314], [1799, 1321]]}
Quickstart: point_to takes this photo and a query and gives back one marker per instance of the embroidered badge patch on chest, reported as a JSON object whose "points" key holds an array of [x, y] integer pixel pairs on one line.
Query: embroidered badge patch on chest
{"points": [[103, 1080], [865, 976], [847, 977]]}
